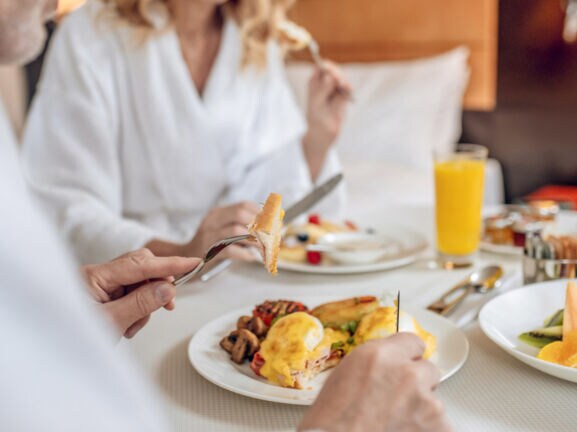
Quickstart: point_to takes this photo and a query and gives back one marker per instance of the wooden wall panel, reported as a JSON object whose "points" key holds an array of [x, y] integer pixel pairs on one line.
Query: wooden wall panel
{"points": [[378, 30]]}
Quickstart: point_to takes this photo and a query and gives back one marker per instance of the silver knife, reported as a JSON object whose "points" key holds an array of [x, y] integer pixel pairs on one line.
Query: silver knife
{"points": [[290, 215], [311, 199]]}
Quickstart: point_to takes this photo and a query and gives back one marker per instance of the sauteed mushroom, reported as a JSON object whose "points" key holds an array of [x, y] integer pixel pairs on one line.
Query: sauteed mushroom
{"points": [[246, 345]]}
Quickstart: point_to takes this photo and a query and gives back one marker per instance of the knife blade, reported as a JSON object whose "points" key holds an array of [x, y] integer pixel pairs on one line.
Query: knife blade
{"points": [[311, 198], [291, 214]]}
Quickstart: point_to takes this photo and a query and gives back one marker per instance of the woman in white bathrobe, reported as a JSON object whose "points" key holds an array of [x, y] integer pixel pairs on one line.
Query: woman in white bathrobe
{"points": [[161, 124]]}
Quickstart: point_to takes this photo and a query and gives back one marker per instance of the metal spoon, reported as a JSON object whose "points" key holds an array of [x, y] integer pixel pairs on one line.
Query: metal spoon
{"points": [[480, 281]]}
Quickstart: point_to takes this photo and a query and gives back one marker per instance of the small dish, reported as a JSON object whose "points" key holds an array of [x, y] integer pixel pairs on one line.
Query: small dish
{"points": [[358, 247]]}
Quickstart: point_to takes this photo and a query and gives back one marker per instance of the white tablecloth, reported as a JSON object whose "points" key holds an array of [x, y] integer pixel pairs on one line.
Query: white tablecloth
{"points": [[492, 392]]}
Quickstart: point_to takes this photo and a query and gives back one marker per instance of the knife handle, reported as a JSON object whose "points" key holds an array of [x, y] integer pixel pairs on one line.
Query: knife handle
{"points": [[442, 307]]}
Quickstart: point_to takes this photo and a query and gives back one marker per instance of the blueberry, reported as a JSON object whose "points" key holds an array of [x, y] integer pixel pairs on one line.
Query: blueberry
{"points": [[371, 231], [303, 237]]}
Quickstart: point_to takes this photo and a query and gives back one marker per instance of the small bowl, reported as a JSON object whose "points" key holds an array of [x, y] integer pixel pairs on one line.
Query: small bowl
{"points": [[357, 247]]}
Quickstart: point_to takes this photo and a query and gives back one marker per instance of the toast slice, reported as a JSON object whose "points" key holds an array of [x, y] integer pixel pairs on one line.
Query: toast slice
{"points": [[267, 229]]}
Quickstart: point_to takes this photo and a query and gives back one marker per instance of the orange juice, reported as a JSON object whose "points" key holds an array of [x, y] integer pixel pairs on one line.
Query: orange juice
{"points": [[459, 197]]}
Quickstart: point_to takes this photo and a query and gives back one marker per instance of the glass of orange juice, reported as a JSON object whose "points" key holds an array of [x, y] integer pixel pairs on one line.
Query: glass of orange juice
{"points": [[459, 183]]}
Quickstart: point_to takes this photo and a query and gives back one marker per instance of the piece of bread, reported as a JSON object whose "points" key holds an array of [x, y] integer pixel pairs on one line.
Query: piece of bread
{"points": [[293, 35], [267, 229]]}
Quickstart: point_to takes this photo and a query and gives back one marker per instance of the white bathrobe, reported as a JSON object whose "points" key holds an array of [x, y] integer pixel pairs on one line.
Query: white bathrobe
{"points": [[122, 149], [59, 369]]}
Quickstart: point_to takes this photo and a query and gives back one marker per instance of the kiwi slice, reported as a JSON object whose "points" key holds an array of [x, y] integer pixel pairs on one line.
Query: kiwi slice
{"points": [[543, 336], [556, 319]]}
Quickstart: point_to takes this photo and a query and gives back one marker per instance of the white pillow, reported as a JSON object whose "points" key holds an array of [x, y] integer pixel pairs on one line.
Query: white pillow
{"points": [[402, 110]]}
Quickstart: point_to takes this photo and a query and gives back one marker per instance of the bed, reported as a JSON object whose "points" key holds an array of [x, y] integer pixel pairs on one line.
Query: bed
{"points": [[415, 65]]}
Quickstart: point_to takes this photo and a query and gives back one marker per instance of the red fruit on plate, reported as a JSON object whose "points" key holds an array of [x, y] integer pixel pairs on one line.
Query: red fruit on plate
{"points": [[314, 257], [314, 219]]}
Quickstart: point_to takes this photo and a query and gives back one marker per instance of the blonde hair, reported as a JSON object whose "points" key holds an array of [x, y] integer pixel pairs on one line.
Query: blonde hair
{"points": [[257, 19]]}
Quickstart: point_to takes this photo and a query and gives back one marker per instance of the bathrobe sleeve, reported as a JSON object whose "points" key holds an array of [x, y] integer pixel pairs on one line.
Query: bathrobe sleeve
{"points": [[280, 165], [70, 152]]}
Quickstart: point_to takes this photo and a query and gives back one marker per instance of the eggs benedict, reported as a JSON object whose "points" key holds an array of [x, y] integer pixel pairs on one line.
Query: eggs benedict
{"points": [[382, 322], [296, 349]]}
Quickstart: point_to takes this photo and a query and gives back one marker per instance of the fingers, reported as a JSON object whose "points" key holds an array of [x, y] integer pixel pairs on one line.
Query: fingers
{"points": [[325, 82], [136, 327], [239, 253], [241, 214], [427, 373], [335, 72], [139, 304], [409, 345], [136, 267]]}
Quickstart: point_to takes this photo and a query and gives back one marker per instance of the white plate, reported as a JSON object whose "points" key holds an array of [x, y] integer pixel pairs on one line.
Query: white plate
{"points": [[500, 249], [504, 318], [215, 365], [411, 245]]}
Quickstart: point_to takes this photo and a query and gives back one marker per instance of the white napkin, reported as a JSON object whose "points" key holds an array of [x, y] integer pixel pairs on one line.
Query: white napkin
{"points": [[468, 310]]}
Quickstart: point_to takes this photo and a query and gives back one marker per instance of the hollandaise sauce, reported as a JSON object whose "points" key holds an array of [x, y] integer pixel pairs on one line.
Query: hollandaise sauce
{"points": [[293, 344]]}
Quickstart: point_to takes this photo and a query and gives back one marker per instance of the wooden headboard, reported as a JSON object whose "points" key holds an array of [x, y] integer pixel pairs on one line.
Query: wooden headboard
{"points": [[378, 30]]}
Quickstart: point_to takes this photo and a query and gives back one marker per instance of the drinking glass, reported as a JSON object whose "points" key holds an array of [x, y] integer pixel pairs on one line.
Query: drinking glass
{"points": [[459, 181]]}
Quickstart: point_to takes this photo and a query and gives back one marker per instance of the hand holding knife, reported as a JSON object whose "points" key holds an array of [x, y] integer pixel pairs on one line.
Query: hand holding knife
{"points": [[294, 211]]}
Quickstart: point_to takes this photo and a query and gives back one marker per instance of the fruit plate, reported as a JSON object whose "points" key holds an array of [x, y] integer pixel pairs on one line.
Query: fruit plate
{"points": [[410, 246], [504, 318], [214, 364]]}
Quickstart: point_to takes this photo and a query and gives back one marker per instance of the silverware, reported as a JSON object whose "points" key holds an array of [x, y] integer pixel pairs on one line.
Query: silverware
{"points": [[398, 310], [311, 198], [298, 208], [212, 251], [217, 269], [314, 49], [481, 281]]}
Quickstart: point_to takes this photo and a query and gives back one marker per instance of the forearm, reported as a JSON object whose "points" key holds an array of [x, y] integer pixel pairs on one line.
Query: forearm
{"points": [[315, 154]]}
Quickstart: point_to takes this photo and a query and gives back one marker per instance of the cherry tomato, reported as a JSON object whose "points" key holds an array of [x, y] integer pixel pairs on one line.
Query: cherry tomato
{"points": [[314, 219], [257, 363], [314, 257]]}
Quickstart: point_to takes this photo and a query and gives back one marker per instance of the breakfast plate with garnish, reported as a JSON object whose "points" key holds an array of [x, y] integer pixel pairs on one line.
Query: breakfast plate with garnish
{"points": [[323, 246], [537, 324], [282, 350]]}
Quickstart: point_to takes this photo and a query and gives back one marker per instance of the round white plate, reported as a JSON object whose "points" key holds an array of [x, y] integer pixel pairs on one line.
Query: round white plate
{"points": [[504, 318], [214, 364], [500, 249], [411, 245]]}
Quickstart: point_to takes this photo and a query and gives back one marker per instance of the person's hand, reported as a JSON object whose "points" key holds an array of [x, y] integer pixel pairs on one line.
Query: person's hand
{"points": [[220, 223], [134, 285], [383, 385], [325, 113]]}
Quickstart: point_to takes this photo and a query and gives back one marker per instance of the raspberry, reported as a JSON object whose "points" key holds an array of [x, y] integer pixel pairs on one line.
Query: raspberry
{"points": [[314, 257]]}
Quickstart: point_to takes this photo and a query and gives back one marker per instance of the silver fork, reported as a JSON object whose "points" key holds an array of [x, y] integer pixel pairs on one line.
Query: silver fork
{"points": [[212, 251], [315, 51]]}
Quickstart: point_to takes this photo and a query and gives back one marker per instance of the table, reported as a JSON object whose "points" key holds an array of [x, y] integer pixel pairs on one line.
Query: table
{"points": [[492, 392]]}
